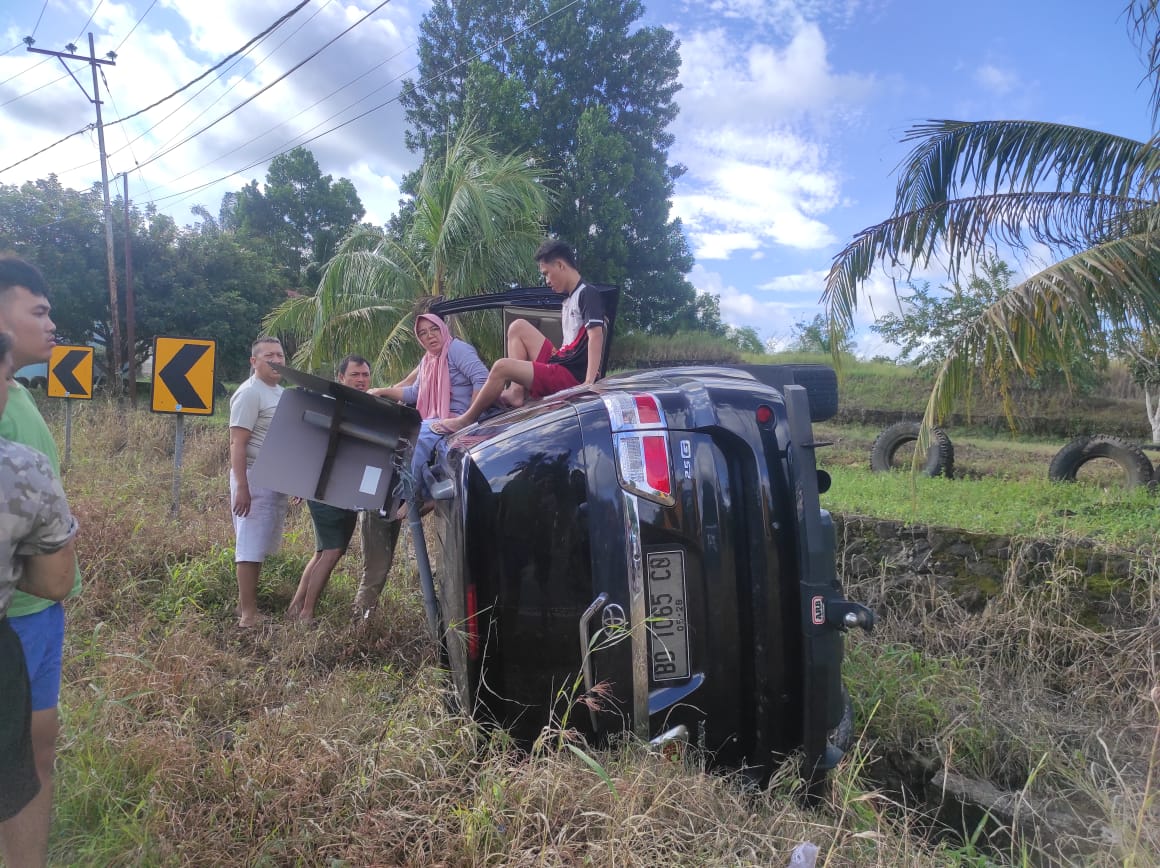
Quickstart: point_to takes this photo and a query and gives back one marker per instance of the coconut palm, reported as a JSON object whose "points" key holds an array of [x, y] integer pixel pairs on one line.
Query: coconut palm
{"points": [[967, 189], [476, 219]]}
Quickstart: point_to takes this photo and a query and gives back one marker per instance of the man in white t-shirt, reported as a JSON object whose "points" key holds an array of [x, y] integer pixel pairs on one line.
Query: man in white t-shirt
{"points": [[259, 513]]}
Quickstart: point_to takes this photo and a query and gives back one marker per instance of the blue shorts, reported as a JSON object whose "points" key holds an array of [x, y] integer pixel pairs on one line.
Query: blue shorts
{"points": [[42, 635]]}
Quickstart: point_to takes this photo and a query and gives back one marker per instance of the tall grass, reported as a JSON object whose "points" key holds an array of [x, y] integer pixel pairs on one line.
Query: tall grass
{"points": [[186, 742]]}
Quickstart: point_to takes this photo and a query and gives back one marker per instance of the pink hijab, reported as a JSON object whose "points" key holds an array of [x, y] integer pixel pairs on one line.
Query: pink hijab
{"points": [[434, 400]]}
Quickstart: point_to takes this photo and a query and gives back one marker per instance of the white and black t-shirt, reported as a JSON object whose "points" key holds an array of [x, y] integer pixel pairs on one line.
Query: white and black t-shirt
{"points": [[583, 309]]}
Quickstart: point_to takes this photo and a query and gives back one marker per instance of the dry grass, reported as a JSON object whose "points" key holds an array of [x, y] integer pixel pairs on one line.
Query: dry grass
{"points": [[187, 743]]}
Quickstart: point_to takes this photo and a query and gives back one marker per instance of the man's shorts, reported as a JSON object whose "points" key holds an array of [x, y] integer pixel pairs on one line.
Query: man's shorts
{"points": [[258, 534], [42, 638], [547, 379], [19, 782], [333, 527]]}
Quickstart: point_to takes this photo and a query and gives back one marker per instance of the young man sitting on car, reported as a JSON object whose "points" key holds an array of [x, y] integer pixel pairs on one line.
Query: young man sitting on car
{"points": [[533, 366]]}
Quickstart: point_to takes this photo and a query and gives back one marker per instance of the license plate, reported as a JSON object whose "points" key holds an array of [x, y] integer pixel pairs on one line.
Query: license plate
{"points": [[668, 634]]}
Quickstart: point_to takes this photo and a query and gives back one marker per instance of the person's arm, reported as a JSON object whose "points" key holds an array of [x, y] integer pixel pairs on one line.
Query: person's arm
{"points": [[396, 392], [50, 576], [46, 552], [595, 352], [239, 440]]}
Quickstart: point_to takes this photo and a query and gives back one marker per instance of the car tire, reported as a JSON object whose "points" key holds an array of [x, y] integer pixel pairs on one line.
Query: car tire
{"points": [[1131, 459], [819, 381], [940, 456]]}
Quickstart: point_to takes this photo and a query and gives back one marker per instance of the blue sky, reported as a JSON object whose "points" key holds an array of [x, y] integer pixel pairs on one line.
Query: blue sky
{"points": [[791, 110]]}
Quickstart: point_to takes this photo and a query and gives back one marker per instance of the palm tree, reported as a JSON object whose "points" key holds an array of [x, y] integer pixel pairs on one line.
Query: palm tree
{"points": [[475, 221], [968, 189]]}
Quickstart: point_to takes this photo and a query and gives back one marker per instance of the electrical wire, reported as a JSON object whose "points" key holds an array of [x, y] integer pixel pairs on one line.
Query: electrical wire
{"points": [[91, 16], [229, 89], [117, 50], [36, 26], [184, 194], [184, 87], [34, 90], [314, 104], [125, 130], [219, 64], [23, 71], [48, 148], [254, 96]]}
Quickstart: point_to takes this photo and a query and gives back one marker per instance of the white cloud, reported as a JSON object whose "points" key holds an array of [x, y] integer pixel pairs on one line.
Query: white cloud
{"points": [[751, 132], [997, 80], [180, 39]]}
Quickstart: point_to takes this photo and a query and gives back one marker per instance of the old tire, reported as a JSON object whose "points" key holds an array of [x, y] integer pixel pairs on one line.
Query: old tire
{"points": [[940, 457], [1131, 459]]}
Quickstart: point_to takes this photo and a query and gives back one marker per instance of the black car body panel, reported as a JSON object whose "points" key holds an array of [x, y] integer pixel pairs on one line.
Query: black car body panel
{"points": [[579, 591]]}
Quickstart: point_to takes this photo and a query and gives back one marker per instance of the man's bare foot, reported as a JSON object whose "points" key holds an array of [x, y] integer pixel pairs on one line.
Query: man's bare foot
{"points": [[251, 619], [513, 396], [293, 611], [449, 426]]}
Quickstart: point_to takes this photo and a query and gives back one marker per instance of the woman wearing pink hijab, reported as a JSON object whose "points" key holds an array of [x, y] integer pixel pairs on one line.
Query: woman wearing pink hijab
{"points": [[442, 384]]}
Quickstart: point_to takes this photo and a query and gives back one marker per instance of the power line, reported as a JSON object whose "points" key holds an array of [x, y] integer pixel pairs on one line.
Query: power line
{"points": [[277, 126], [220, 63], [186, 86], [280, 78], [23, 71], [90, 19], [37, 24], [189, 192], [124, 130], [34, 90], [229, 89], [134, 27], [48, 148]]}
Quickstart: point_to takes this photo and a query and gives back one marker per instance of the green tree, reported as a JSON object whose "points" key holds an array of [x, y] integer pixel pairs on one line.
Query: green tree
{"points": [[1088, 196], [194, 281], [61, 231], [301, 213], [474, 225], [816, 336], [746, 338], [591, 94]]}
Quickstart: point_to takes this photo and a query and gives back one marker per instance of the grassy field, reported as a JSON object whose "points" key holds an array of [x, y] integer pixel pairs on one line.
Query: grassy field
{"points": [[187, 743]]}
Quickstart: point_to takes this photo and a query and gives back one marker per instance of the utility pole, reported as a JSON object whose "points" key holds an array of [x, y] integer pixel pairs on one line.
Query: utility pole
{"points": [[94, 62], [130, 313]]}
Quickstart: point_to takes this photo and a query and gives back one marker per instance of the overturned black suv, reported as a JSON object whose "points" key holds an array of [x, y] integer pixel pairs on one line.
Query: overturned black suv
{"points": [[645, 555], [654, 546]]}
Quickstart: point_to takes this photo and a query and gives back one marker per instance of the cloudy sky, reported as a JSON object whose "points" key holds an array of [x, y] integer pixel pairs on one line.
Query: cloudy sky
{"points": [[791, 110]]}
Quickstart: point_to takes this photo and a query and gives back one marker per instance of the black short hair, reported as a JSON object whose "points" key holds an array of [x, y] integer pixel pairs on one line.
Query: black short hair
{"points": [[351, 360], [555, 250], [15, 271], [5, 345]]}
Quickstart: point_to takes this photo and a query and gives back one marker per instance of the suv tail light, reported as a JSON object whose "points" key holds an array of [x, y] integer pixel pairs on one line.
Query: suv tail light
{"points": [[642, 445]]}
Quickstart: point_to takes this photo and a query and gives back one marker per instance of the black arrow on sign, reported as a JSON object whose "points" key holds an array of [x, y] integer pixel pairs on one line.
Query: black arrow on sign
{"points": [[175, 376], [64, 372]]}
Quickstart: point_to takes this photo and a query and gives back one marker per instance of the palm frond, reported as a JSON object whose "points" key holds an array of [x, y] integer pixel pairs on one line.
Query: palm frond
{"points": [[1065, 222], [1144, 24], [1049, 315], [1019, 156]]}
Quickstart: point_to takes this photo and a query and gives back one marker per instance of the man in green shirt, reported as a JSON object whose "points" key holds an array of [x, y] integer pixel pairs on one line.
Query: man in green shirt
{"points": [[24, 313]]}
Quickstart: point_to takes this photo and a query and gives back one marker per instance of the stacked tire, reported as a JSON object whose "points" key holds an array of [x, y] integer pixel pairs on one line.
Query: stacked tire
{"points": [[940, 455], [1130, 458]]}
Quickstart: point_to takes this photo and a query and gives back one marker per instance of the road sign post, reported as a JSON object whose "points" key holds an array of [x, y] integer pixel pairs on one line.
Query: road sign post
{"points": [[70, 375], [183, 384]]}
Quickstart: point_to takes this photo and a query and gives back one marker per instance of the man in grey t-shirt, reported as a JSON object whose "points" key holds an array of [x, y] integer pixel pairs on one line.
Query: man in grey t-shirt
{"points": [[37, 557], [259, 513]]}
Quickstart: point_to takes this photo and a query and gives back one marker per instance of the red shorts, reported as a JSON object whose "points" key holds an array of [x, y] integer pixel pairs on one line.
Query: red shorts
{"points": [[547, 379]]}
